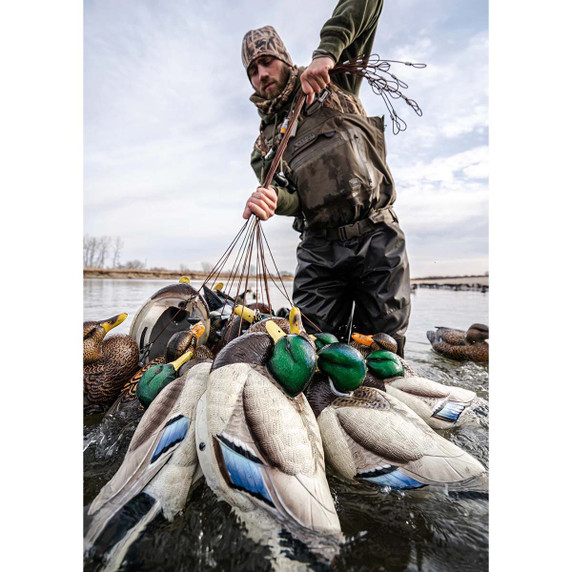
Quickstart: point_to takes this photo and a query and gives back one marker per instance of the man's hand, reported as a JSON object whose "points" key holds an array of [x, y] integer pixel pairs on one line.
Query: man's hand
{"points": [[316, 77], [261, 203]]}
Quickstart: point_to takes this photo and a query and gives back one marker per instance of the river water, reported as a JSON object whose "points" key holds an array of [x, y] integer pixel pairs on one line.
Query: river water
{"points": [[413, 530]]}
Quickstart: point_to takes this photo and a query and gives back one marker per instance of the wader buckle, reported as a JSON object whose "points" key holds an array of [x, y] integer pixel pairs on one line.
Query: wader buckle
{"points": [[353, 230]]}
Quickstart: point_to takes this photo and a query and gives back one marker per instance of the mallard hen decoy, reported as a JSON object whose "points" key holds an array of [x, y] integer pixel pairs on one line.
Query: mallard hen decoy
{"points": [[178, 345], [107, 362], [258, 441], [157, 472], [460, 345], [369, 436]]}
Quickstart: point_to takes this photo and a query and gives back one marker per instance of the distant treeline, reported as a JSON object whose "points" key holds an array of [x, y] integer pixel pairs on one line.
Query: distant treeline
{"points": [[456, 276], [104, 252]]}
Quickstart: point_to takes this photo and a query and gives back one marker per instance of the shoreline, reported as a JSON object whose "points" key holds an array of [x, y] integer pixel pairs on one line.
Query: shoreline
{"points": [[473, 282], [131, 274]]}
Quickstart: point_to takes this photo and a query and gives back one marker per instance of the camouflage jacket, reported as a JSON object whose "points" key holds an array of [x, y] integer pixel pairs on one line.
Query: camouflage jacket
{"points": [[349, 195]]}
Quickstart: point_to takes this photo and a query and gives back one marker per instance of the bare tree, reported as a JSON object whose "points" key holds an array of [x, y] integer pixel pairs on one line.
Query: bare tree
{"points": [[102, 250], [89, 250], [117, 246], [86, 241], [134, 265], [207, 266]]}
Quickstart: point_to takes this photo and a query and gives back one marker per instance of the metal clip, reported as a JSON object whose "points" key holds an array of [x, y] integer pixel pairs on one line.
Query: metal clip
{"points": [[317, 103], [144, 353]]}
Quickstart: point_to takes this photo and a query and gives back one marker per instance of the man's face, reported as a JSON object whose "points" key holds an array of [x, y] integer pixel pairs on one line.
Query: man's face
{"points": [[268, 76]]}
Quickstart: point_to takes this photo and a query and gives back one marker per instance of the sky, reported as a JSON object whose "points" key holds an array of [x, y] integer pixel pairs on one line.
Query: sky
{"points": [[168, 126]]}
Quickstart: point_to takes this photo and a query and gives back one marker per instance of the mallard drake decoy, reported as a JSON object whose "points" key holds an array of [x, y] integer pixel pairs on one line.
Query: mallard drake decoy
{"points": [[369, 436], [460, 345], [440, 406], [258, 442], [366, 344], [178, 345], [169, 310], [157, 472], [157, 377], [107, 362]]}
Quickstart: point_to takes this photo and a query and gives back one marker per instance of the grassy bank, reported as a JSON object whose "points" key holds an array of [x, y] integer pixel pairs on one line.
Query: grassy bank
{"points": [[150, 274], [454, 282]]}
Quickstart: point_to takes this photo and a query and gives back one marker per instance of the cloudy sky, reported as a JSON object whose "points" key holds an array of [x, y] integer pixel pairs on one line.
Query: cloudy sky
{"points": [[168, 127]]}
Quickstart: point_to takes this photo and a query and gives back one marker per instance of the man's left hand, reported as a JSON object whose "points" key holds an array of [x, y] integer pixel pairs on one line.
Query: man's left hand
{"points": [[316, 77]]}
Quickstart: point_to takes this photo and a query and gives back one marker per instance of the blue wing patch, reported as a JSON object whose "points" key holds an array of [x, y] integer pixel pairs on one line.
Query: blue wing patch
{"points": [[173, 433], [244, 472], [392, 478], [448, 411]]}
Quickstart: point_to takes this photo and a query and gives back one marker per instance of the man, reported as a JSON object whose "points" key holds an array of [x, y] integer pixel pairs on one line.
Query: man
{"points": [[333, 178]]}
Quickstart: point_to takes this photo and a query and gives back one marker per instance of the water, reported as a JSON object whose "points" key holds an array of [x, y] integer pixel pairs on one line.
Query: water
{"points": [[416, 530]]}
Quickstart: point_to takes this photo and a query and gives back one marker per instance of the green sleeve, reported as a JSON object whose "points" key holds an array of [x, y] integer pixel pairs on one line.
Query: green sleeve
{"points": [[349, 33], [288, 203]]}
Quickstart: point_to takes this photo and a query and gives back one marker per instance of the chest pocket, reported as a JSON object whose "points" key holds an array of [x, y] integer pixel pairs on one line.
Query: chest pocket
{"points": [[312, 146], [333, 172]]}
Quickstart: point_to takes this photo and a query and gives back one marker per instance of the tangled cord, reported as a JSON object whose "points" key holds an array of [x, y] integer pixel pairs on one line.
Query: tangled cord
{"points": [[384, 83]]}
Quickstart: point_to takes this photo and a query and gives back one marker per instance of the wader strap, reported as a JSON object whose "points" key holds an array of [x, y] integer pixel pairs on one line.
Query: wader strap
{"points": [[354, 229]]}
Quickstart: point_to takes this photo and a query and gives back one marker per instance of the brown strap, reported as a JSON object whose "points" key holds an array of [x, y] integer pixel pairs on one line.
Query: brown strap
{"points": [[284, 142]]}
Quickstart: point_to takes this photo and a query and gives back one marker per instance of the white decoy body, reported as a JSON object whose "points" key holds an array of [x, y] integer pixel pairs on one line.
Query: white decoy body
{"points": [[161, 462], [440, 406], [261, 449], [371, 436]]}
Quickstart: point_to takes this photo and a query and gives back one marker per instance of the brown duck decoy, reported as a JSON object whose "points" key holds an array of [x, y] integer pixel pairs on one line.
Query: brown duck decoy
{"points": [[178, 344], [107, 362], [460, 345]]}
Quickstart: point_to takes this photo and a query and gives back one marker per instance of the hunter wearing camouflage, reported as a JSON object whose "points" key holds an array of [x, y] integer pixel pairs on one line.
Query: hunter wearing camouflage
{"points": [[333, 178]]}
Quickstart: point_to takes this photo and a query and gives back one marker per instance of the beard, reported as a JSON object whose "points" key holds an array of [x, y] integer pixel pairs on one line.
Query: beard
{"points": [[279, 84]]}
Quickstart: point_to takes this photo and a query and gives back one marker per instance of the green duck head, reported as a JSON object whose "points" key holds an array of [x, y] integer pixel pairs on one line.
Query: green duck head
{"points": [[293, 360], [158, 377], [344, 365], [323, 339], [384, 364]]}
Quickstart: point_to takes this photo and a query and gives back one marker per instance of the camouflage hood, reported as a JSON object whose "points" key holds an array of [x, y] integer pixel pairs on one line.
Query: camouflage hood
{"points": [[263, 41]]}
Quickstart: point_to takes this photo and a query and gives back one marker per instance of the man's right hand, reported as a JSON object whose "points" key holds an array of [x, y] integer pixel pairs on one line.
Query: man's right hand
{"points": [[261, 203], [316, 77]]}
